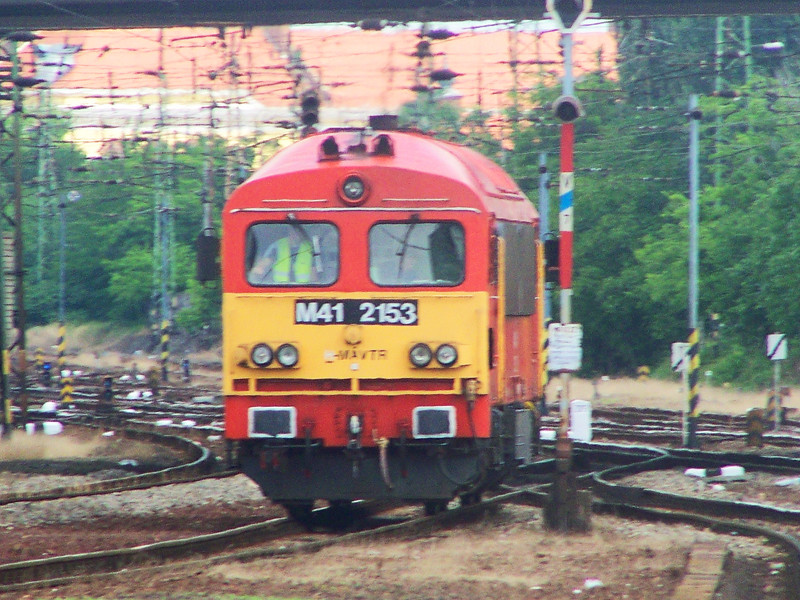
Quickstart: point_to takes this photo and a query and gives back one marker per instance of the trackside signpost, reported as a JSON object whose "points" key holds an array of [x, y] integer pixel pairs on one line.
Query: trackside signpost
{"points": [[566, 352], [777, 350], [564, 511], [679, 361]]}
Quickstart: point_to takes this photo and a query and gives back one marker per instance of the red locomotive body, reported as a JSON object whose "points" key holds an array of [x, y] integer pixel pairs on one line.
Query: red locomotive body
{"points": [[382, 320]]}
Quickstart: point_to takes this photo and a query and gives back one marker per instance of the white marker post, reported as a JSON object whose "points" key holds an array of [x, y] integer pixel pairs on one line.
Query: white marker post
{"points": [[680, 362], [777, 350]]}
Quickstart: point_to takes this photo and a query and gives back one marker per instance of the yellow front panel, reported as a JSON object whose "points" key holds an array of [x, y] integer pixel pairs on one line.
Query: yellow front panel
{"points": [[373, 351]]}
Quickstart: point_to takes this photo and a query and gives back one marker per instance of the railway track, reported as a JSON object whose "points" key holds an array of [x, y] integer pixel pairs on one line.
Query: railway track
{"points": [[604, 467], [201, 463], [665, 427]]}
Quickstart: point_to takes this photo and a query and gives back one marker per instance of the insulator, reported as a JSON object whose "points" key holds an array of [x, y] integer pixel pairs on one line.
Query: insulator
{"points": [[423, 50], [25, 82], [372, 24], [21, 36], [440, 34], [443, 75]]}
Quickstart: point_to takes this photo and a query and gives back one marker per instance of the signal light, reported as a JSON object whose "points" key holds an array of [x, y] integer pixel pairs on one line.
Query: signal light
{"points": [[207, 256], [309, 108], [551, 259], [567, 109]]}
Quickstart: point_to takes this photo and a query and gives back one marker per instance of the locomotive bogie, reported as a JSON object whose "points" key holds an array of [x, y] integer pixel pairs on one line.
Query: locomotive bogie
{"points": [[413, 472]]}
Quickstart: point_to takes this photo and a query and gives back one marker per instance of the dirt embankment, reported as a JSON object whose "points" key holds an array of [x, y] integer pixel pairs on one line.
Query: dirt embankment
{"points": [[670, 395], [98, 347]]}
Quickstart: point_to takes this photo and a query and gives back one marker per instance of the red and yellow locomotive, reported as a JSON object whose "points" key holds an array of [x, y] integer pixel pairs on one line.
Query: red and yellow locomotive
{"points": [[382, 314]]}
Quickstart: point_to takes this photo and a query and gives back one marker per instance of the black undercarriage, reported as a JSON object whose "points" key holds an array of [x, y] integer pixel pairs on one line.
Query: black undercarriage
{"points": [[295, 472]]}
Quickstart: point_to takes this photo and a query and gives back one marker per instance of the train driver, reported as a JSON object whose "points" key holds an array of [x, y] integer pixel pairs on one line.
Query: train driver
{"points": [[288, 259]]}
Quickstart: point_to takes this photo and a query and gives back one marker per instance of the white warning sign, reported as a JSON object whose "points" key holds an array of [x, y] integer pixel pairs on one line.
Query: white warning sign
{"points": [[777, 346], [680, 356], [566, 351]]}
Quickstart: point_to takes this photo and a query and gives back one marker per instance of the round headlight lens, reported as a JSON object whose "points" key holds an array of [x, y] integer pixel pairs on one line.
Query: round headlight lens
{"points": [[261, 355], [353, 188], [420, 355], [287, 355], [446, 355]]}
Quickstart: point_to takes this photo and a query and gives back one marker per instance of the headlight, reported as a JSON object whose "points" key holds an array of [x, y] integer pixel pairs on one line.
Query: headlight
{"points": [[353, 188], [446, 355], [420, 355], [287, 355], [261, 355]]}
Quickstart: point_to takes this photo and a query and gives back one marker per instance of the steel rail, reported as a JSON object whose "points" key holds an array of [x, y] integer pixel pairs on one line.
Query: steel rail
{"points": [[61, 570], [200, 466]]}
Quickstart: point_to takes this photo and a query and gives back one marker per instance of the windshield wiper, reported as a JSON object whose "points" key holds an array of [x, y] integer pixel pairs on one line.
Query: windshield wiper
{"points": [[402, 251], [313, 241]]}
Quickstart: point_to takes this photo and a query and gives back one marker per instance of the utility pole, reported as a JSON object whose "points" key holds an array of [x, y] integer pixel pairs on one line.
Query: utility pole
{"points": [[65, 395], [544, 235], [544, 227], [46, 176], [19, 273], [162, 213], [694, 217]]}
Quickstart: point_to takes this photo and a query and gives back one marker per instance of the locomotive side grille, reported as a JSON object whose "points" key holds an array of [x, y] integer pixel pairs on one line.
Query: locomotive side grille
{"points": [[302, 385], [344, 385], [413, 385]]}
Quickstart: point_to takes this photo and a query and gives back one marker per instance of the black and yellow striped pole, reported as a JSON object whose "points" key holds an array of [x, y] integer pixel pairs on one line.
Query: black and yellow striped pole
{"points": [[543, 318], [164, 350], [693, 388], [694, 266], [8, 419], [65, 394], [61, 346]]}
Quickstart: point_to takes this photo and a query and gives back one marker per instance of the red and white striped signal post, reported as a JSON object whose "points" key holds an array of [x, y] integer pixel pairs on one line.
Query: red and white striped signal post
{"points": [[567, 508]]}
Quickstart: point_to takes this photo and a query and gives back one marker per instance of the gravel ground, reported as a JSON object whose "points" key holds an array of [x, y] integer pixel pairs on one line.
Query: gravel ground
{"points": [[506, 555], [134, 504], [760, 488]]}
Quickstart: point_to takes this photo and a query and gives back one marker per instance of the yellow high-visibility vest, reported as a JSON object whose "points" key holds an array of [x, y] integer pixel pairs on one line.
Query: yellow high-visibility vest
{"points": [[282, 269]]}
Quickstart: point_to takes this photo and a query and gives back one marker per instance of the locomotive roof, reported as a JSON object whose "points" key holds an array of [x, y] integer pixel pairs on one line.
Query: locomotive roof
{"points": [[358, 150]]}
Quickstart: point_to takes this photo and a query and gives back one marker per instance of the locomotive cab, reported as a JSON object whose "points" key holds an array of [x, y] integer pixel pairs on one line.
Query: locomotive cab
{"points": [[382, 321]]}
